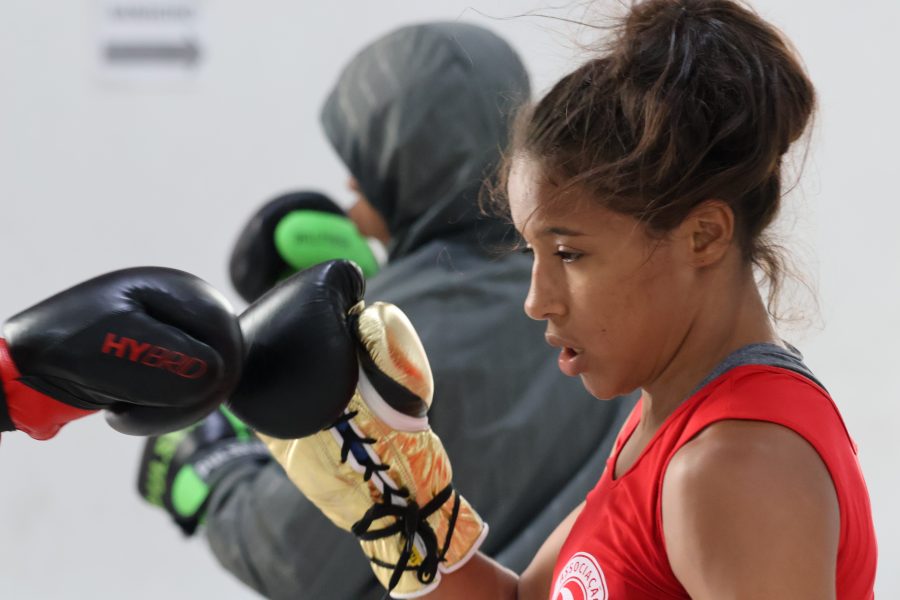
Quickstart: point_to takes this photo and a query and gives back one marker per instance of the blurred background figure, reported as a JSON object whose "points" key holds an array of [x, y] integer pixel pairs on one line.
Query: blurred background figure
{"points": [[419, 117]]}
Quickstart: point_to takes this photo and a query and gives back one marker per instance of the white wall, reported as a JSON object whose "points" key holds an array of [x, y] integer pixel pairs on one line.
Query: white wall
{"points": [[95, 177]]}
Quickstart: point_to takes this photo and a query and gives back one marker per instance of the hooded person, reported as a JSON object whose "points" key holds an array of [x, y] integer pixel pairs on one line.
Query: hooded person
{"points": [[419, 117]]}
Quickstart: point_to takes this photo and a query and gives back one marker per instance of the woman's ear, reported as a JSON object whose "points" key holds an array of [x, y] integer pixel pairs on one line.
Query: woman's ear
{"points": [[709, 229]]}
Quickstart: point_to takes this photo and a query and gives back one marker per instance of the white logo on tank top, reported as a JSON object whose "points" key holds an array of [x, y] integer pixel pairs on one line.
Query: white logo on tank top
{"points": [[581, 579]]}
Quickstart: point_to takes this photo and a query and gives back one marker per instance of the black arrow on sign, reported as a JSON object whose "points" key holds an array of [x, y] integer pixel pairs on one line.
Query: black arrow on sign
{"points": [[186, 52]]}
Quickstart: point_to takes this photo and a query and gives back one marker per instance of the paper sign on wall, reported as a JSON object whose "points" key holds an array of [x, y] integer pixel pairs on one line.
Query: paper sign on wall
{"points": [[149, 41]]}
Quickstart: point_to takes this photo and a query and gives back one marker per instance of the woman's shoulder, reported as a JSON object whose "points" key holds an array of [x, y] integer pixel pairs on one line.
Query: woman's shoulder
{"points": [[737, 487], [774, 395], [758, 392], [744, 448]]}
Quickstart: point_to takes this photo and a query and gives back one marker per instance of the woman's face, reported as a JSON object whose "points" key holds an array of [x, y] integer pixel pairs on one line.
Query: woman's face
{"points": [[618, 302]]}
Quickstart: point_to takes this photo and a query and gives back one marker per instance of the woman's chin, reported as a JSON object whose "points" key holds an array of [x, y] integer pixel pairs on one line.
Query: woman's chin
{"points": [[602, 388]]}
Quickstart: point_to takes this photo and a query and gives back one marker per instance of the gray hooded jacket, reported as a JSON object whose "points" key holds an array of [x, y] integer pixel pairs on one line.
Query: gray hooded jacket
{"points": [[419, 118]]}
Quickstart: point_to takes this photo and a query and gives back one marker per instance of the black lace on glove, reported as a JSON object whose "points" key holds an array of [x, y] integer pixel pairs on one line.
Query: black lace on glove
{"points": [[410, 520]]}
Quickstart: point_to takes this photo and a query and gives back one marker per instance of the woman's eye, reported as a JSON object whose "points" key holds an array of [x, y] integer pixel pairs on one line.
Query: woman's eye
{"points": [[526, 250], [567, 256]]}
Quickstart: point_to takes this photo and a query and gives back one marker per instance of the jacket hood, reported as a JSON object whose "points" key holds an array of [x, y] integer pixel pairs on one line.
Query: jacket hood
{"points": [[420, 117]]}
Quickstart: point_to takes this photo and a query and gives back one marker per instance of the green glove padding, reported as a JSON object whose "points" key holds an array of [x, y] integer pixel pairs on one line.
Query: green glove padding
{"points": [[179, 470], [309, 237]]}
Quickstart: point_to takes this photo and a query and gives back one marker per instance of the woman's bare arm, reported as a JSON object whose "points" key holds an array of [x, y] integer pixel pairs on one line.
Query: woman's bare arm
{"points": [[750, 512], [482, 578]]}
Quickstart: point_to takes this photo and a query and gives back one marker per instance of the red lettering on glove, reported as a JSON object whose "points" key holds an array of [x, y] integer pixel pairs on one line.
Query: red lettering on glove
{"points": [[157, 357]]}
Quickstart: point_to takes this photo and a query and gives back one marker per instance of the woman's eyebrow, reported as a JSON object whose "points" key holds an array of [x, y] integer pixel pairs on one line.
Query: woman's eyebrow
{"points": [[562, 231]]}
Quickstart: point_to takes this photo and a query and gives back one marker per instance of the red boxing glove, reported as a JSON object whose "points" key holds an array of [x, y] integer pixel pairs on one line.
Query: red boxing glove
{"points": [[28, 410]]}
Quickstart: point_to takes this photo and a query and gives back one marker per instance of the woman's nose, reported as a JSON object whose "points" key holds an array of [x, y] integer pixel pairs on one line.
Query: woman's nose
{"points": [[544, 299]]}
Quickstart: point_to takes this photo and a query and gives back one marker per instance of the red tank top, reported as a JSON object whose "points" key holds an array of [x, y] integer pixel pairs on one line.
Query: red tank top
{"points": [[616, 550]]}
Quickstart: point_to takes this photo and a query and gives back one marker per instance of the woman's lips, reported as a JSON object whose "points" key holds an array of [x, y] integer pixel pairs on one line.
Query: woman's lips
{"points": [[571, 361]]}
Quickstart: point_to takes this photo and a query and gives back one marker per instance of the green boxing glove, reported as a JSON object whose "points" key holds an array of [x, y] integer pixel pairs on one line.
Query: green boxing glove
{"points": [[179, 470], [291, 233]]}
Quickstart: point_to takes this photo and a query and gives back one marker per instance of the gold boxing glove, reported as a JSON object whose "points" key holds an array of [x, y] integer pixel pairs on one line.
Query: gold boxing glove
{"points": [[380, 471]]}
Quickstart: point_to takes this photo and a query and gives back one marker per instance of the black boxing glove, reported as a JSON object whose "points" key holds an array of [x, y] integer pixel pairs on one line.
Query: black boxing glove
{"points": [[303, 325], [156, 348], [291, 233]]}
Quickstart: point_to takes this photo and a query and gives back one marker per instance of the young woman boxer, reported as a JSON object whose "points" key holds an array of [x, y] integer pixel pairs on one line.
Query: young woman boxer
{"points": [[644, 183]]}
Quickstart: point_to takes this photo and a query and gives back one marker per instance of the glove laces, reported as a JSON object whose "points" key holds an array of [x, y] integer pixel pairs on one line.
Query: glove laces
{"points": [[410, 520]]}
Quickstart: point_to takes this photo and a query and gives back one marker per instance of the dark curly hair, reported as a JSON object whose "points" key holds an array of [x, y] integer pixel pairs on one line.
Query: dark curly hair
{"points": [[689, 100]]}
